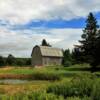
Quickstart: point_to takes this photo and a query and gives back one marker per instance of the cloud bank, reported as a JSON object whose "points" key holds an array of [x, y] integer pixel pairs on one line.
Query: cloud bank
{"points": [[18, 36], [21, 11]]}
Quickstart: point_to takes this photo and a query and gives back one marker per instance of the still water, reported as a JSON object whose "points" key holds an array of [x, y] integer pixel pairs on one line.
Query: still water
{"points": [[13, 81]]}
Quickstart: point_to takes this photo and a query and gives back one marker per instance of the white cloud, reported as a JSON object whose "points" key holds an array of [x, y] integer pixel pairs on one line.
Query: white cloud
{"points": [[21, 11], [20, 43]]}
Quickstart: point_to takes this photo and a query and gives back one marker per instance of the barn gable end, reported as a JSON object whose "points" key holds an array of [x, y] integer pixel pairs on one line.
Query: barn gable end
{"points": [[36, 56]]}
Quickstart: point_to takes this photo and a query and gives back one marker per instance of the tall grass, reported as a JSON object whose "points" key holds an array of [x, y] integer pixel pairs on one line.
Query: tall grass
{"points": [[80, 86], [32, 96]]}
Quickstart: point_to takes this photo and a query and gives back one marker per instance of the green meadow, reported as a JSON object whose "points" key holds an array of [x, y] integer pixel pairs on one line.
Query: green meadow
{"points": [[49, 83]]}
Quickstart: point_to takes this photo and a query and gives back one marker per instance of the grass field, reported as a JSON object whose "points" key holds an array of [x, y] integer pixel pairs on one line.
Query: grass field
{"points": [[50, 83]]}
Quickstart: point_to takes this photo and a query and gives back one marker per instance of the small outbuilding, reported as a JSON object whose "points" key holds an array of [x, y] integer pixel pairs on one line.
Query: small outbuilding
{"points": [[46, 56]]}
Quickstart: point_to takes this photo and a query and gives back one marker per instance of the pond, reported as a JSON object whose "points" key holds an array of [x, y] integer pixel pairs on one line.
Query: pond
{"points": [[13, 81]]}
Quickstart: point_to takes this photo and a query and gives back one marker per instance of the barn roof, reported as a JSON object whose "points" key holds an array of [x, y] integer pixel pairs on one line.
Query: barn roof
{"points": [[50, 51]]}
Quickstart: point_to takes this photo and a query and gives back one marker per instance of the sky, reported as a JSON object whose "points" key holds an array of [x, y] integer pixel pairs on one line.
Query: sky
{"points": [[25, 23]]}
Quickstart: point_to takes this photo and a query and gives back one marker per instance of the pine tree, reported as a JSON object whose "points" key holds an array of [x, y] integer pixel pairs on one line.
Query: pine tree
{"points": [[89, 38], [97, 51], [67, 59], [77, 56], [44, 43]]}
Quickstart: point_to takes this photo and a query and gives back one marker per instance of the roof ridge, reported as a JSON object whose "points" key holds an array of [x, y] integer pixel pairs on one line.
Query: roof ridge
{"points": [[50, 47]]}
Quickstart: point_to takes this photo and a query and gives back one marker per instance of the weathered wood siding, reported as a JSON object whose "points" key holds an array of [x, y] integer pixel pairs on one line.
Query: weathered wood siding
{"points": [[51, 61], [36, 57]]}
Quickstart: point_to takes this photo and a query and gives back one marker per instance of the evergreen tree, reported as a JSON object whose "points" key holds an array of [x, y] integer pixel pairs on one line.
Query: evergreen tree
{"points": [[89, 38], [44, 43], [67, 59], [96, 61], [2, 61], [77, 56]]}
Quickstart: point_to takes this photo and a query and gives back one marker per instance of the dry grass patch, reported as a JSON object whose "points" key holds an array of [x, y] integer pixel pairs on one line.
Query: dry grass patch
{"points": [[11, 89]]}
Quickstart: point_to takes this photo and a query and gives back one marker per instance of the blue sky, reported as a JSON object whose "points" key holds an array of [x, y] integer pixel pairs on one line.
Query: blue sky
{"points": [[58, 23], [24, 23]]}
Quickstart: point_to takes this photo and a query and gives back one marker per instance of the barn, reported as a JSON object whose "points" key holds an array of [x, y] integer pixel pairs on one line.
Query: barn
{"points": [[46, 56]]}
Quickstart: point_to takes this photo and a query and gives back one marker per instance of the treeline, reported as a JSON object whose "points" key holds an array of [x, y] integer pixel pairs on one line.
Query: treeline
{"points": [[71, 57], [13, 61]]}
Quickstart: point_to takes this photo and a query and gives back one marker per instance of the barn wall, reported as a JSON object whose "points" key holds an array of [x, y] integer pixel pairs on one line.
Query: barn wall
{"points": [[36, 57], [51, 61]]}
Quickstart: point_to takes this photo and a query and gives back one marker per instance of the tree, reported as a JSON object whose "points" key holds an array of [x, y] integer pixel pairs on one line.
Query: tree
{"points": [[89, 38], [44, 43], [10, 60], [96, 61], [20, 61], [67, 59], [2, 61], [77, 56], [28, 61]]}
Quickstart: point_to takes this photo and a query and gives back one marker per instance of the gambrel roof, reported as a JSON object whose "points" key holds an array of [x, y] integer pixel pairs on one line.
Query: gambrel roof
{"points": [[50, 51]]}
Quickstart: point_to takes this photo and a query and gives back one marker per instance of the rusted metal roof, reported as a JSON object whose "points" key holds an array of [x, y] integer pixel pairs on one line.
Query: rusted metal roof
{"points": [[50, 51]]}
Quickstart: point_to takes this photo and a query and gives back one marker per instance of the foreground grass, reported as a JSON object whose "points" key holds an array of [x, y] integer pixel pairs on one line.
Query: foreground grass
{"points": [[10, 89], [52, 83], [80, 87]]}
